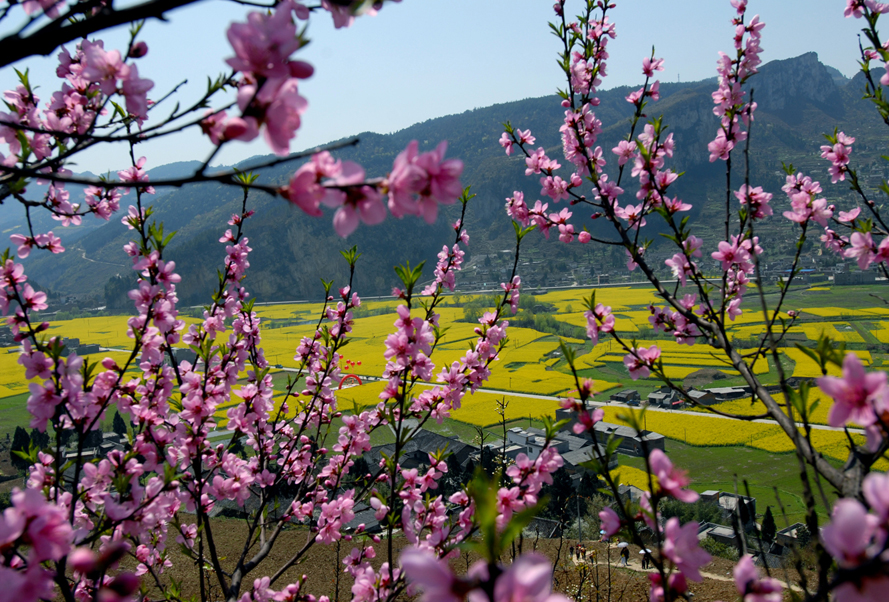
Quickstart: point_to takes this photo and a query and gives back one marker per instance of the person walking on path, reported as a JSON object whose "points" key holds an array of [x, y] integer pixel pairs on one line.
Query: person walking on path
{"points": [[625, 556]]}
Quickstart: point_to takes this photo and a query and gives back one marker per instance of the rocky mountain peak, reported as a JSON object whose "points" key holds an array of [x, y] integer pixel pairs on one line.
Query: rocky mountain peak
{"points": [[782, 84]]}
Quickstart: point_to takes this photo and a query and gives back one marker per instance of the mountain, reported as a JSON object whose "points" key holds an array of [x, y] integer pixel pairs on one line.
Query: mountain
{"points": [[799, 100]]}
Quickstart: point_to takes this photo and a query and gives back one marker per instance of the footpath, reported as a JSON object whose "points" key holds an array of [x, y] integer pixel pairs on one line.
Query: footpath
{"points": [[600, 557], [594, 557]]}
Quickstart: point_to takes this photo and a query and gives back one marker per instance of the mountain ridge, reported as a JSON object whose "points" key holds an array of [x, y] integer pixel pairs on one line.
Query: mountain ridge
{"points": [[799, 99]]}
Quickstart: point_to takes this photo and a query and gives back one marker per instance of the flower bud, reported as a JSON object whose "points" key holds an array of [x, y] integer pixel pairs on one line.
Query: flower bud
{"points": [[138, 50]]}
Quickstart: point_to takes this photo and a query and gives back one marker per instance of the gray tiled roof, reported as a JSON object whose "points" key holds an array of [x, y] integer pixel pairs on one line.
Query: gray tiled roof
{"points": [[579, 456]]}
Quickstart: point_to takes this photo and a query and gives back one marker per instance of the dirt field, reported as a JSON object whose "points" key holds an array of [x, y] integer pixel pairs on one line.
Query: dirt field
{"points": [[320, 567]]}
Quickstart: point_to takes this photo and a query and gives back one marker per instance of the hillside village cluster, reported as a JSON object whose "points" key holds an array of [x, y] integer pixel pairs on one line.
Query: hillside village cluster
{"points": [[484, 271], [576, 450]]}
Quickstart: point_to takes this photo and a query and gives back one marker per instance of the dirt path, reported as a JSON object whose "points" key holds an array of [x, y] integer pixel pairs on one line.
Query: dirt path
{"points": [[637, 565]]}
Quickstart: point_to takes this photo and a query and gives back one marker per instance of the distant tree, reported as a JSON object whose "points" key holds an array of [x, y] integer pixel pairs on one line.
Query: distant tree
{"points": [[40, 440], [92, 439], [64, 436], [702, 512], [769, 528], [239, 449], [803, 537], [558, 492], [472, 314], [489, 466], [454, 480], [719, 549], [588, 485], [118, 425], [20, 442], [116, 290]]}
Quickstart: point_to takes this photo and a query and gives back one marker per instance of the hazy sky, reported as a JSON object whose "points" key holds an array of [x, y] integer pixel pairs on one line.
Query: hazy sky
{"points": [[426, 58]]}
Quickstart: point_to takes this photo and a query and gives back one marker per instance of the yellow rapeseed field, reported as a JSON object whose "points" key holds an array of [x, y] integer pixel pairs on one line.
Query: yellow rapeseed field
{"points": [[833, 444], [707, 431], [838, 331], [12, 374], [282, 312], [107, 331], [530, 362], [881, 331], [479, 409], [577, 318], [280, 343], [807, 367], [630, 475], [833, 312], [624, 323], [360, 397], [697, 430], [743, 407], [619, 298]]}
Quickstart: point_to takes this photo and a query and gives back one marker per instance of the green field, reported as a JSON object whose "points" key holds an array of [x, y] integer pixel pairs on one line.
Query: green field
{"points": [[725, 469]]}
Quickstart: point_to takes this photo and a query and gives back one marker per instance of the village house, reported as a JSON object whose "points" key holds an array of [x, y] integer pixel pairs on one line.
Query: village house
{"points": [[575, 450], [731, 504], [795, 534], [665, 397], [533, 441], [627, 396], [498, 448], [704, 398], [629, 493], [574, 460], [415, 453], [729, 393], [718, 533], [629, 442]]}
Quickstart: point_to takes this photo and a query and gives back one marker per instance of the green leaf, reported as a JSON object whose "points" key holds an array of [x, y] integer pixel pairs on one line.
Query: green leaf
{"points": [[466, 196], [247, 177], [118, 110], [351, 256], [483, 493], [567, 352], [409, 276]]}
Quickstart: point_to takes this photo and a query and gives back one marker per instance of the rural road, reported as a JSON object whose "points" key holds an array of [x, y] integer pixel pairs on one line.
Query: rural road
{"points": [[602, 404]]}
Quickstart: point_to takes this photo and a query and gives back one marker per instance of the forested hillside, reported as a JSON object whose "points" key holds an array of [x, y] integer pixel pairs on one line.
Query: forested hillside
{"points": [[799, 99]]}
